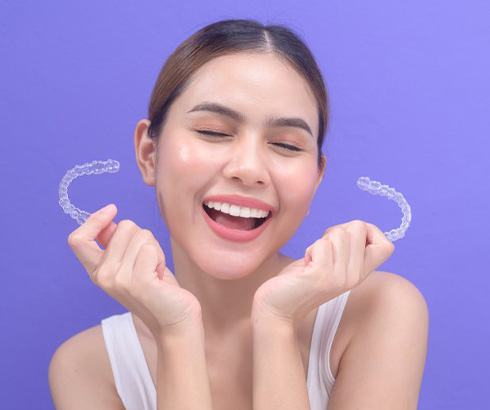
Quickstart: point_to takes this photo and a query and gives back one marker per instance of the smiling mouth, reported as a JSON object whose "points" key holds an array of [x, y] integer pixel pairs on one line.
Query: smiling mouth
{"points": [[234, 222]]}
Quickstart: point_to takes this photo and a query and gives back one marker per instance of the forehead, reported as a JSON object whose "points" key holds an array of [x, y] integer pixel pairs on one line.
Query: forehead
{"points": [[245, 81]]}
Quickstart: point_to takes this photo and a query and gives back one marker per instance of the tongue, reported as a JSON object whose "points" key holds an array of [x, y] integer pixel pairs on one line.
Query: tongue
{"points": [[233, 222]]}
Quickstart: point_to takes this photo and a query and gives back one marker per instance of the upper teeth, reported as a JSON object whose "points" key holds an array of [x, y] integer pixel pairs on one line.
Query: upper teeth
{"points": [[236, 210]]}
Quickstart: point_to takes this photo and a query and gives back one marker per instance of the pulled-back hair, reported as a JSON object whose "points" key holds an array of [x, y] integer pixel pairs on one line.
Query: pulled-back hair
{"points": [[229, 37]]}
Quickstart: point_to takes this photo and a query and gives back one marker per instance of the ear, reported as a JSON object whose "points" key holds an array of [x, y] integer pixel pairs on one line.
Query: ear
{"points": [[323, 166], [146, 152]]}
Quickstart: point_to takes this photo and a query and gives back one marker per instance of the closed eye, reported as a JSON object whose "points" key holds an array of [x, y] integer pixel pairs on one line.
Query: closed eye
{"points": [[219, 134], [214, 133]]}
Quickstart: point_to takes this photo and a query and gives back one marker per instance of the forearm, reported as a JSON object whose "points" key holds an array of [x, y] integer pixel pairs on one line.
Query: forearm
{"points": [[182, 377], [278, 375]]}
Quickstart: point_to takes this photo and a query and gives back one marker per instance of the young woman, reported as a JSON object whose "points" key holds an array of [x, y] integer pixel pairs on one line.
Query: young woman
{"points": [[232, 145]]}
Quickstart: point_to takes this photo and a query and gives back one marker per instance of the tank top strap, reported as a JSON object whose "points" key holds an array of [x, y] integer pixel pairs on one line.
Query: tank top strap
{"points": [[129, 367], [320, 379]]}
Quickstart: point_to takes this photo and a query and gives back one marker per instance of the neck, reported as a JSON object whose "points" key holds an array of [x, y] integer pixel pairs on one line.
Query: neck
{"points": [[226, 303]]}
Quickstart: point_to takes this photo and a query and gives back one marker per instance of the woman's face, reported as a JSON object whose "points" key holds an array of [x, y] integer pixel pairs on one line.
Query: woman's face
{"points": [[248, 161]]}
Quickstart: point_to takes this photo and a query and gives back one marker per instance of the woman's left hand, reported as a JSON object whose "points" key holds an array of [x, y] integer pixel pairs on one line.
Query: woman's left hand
{"points": [[337, 262]]}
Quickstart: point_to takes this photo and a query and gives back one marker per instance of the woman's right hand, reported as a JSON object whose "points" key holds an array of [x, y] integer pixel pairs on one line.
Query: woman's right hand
{"points": [[132, 270]]}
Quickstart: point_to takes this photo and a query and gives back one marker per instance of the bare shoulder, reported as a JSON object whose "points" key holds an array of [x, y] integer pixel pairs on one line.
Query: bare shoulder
{"points": [[385, 356], [386, 298], [380, 285], [80, 374], [375, 294]]}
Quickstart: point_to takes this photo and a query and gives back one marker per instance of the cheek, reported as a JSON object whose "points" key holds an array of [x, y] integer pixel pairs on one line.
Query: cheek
{"points": [[184, 170], [297, 187], [183, 159]]}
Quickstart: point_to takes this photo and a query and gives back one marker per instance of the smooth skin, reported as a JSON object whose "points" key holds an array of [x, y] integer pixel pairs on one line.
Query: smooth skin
{"points": [[381, 363]]}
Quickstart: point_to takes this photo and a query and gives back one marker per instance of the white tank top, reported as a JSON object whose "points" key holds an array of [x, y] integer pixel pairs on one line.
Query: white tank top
{"points": [[133, 379]]}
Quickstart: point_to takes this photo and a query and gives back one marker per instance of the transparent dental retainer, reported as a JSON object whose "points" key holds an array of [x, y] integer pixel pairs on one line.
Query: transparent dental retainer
{"points": [[376, 188], [112, 166], [94, 167]]}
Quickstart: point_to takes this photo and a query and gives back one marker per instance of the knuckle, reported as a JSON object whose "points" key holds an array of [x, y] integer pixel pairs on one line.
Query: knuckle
{"points": [[338, 232], [321, 241], [146, 234], [358, 224], [94, 275], [102, 276], [74, 238], [126, 223]]}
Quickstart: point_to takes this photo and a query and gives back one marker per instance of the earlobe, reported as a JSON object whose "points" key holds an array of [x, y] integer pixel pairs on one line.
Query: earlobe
{"points": [[145, 152], [324, 164], [322, 171]]}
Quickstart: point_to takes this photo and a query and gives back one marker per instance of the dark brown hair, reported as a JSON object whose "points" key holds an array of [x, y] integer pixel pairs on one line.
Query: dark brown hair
{"points": [[230, 37]]}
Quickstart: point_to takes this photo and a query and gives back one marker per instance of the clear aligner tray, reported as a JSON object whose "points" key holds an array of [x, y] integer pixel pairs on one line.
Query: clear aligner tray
{"points": [[94, 167]]}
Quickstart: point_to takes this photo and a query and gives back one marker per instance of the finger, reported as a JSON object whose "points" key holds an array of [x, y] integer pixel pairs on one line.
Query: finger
{"points": [[358, 233], [114, 254], [128, 269], [378, 249], [321, 253], [146, 263], [82, 240], [334, 227], [341, 248]]}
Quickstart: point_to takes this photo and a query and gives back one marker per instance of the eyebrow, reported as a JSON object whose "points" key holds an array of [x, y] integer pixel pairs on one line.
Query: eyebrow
{"points": [[270, 122]]}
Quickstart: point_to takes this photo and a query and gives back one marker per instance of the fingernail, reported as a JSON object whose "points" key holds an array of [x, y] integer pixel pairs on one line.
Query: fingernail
{"points": [[107, 209]]}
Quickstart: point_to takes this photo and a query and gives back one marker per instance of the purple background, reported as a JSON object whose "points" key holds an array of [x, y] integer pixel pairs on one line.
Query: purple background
{"points": [[410, 106]]}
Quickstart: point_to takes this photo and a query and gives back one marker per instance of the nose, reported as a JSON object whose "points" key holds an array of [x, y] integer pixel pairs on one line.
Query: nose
{"points": [[247, 163]]}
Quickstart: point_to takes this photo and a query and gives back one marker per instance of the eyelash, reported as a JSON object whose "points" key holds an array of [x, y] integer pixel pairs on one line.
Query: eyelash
{"points": [[219, 134]]}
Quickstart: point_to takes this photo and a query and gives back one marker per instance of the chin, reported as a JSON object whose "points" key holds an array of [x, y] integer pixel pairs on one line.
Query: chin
{"points": [[228, 265]]}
